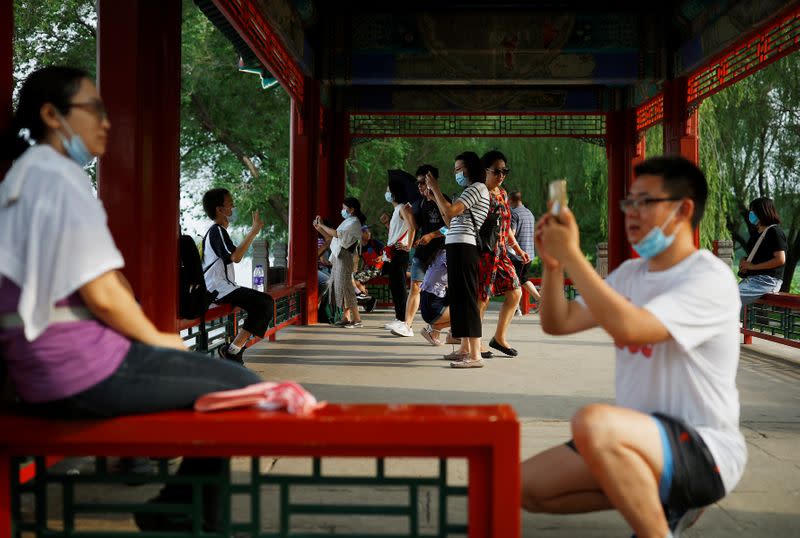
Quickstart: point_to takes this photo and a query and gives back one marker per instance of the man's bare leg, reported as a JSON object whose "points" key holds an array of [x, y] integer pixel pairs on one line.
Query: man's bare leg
{"points": [[622, 449]]}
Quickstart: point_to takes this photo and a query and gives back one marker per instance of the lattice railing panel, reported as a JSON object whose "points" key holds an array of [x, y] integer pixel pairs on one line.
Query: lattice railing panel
{"points": [[484, 125], [650, 113], [771, 44], [310, 497], [248, 20]]}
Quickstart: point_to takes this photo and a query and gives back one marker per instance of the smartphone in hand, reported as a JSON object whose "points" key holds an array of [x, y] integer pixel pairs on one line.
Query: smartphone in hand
{"points": [[558, 195]]}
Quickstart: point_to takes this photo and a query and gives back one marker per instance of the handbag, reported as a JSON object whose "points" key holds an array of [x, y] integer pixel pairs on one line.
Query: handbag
{"points": [[388, 250], [488, 234], [743, 272]]}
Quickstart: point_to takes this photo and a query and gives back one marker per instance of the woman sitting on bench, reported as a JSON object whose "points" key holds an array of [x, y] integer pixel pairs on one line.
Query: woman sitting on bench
{"points": [[75, 342]]}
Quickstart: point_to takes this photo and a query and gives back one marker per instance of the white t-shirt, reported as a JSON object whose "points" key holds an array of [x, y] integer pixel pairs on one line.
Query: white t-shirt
{"points": [[476, 200], [220, 275], [692, 376], [398, 227]]}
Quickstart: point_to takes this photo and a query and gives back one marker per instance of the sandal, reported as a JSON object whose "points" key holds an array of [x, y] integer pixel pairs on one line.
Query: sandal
{"points": [[467, 363]]}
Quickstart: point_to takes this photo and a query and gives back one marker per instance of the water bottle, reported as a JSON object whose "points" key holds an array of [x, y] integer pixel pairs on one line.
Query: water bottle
{"points": [[258, 278]]}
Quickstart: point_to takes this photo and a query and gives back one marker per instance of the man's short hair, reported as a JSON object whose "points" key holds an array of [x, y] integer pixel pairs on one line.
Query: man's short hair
{"points": [[212, 200], [515, 196], [681, 179], [425, 168]]}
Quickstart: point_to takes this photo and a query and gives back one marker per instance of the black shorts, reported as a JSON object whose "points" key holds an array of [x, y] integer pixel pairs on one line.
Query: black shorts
{"points": [[690, 478], [431, 307], [522, 270]]}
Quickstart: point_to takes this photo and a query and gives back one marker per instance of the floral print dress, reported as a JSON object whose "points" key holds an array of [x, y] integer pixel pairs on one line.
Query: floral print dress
{"points": [[496, 274]]}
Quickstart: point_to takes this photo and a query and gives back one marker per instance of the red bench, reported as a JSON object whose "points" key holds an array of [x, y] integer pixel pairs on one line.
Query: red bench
{"points": [[789, 307], [487, 436]]}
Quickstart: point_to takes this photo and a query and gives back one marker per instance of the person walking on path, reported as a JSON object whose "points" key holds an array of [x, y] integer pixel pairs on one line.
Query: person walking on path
{"points": [[671, 444], [398, 244], [496, 274], [522, 224], [464, 218], [427, 220]]}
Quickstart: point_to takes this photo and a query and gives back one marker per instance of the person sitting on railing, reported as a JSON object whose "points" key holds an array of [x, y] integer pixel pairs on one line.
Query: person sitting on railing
{"points": [[671, 445], [219, 255], [762, 270], [73, 338], [371, 266]]}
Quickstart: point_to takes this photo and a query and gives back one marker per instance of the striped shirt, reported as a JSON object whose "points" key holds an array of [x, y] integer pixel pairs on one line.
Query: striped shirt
{"points": [[476, 200], [522, 224]]}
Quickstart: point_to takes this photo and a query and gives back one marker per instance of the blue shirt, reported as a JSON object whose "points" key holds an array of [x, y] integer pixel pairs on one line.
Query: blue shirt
{"points": [[522, 224]]}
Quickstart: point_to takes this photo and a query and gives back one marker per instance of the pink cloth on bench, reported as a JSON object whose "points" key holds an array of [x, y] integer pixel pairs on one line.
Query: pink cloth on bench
{"points": [[266, 395]]}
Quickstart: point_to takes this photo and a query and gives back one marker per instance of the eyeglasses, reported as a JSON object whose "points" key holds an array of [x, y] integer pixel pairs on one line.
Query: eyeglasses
{"points": [[499, 171], [94, 107], [637, 204]]}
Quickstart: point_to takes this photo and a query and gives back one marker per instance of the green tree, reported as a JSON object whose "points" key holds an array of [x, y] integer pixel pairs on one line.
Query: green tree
{"points": [[750, 147], [233, 133]]}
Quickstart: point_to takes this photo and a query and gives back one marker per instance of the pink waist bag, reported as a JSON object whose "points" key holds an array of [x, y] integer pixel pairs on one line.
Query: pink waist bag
{"points": [[266, 395]]}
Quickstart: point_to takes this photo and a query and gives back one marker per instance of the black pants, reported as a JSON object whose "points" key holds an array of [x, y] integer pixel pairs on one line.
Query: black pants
{"points": [[462, 290], [396, 271], [258, 305]]}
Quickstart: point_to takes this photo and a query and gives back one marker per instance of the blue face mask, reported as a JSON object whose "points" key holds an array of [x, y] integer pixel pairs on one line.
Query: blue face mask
{"points": [[232, 217], [753, 218], [461, 179], [345, 214], [388, 196], [74, 146], [655, 242]]}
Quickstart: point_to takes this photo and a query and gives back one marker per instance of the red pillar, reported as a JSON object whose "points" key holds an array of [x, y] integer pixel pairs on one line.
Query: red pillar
{"points": [[623, 150], [303, 197], [680, 127], [6, 69], [139, 76]]}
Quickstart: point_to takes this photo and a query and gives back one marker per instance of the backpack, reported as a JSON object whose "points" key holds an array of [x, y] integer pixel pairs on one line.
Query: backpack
{"points": [[193, 296], [326, 312], [489, 232]]}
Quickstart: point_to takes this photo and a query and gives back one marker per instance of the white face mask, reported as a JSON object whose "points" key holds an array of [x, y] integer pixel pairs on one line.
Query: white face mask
{"points": [[387, 196], [345, 214]]}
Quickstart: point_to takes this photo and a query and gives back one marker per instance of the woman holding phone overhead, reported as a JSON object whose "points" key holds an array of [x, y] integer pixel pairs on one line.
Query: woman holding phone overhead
{"points": [[464, 218], [762, 270]]}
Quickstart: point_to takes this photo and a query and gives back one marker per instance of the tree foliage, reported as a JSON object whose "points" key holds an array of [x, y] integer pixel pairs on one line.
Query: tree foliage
{"points": [[233, 133]]}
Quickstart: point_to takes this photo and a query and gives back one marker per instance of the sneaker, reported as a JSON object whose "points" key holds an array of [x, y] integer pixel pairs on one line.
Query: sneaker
{"points": [[392, 324], [402, 330], [223, 352], [341, 323], [518, 312], [427, 334], [680, 520], [370, 303], [353, 325]]}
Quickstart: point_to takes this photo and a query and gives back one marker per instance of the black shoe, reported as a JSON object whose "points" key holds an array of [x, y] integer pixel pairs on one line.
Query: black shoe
{"points": [[487, 354], [510, 351], [370, 304], [223, 352]]}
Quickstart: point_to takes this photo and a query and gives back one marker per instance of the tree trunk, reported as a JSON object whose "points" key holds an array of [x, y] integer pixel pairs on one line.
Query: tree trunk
{"points": [[792, 257]]}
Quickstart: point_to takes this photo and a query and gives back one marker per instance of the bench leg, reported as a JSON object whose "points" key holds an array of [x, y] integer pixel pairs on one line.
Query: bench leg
{"points": [[5, 495]]}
